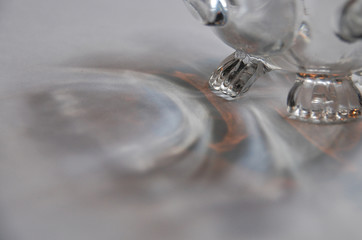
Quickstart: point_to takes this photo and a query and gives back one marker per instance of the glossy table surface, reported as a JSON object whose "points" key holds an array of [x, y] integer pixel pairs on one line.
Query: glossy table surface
{"points": [[108, 130]]}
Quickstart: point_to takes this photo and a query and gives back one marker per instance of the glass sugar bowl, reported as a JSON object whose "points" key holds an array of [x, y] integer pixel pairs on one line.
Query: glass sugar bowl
{"points": [[319, 40]]}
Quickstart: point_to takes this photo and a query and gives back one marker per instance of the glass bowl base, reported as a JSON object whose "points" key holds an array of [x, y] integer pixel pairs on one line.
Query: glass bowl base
{"points": [[321, 98]]}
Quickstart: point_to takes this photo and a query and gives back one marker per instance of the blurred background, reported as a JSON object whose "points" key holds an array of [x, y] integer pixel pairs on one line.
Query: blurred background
{"points": [[108, 130]]}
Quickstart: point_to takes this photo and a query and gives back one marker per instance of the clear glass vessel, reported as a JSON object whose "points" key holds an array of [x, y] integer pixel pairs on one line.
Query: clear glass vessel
{"points": [[319, 40]]}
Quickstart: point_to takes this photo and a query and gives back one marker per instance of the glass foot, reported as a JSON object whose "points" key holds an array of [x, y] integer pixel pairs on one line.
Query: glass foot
{"points": [[320, 98], [236, 74]]}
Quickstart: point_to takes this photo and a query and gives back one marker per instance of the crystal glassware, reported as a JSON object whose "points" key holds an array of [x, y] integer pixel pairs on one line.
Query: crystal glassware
{"points": [[319, 40]]}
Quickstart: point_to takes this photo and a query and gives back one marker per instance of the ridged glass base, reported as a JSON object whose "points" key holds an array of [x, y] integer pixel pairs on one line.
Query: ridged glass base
{"points": [[321, 98]]}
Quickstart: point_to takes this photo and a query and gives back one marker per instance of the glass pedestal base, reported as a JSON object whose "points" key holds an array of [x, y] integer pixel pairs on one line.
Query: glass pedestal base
{"points": [[321, 98]]}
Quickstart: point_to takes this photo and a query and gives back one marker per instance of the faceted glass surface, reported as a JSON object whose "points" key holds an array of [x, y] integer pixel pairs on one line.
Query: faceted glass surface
{"points": [[295, 35]]}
